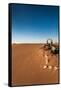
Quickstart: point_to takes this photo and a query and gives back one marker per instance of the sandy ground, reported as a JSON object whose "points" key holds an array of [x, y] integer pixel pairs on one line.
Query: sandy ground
{"points": [[29, 65]]}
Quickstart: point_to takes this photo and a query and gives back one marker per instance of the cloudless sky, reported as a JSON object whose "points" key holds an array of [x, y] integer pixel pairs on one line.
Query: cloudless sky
{"points": [[33, 23]]}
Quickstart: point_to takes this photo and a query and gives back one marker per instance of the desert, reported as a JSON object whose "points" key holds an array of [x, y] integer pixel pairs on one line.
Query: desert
{"points": [[32, 64]]}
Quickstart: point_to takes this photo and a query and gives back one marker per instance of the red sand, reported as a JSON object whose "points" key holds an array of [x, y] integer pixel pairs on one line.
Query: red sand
{"points": [[28, 61]]}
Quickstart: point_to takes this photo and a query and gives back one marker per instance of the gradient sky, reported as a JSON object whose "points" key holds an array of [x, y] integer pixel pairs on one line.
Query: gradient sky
{"points": [[34, 24]]}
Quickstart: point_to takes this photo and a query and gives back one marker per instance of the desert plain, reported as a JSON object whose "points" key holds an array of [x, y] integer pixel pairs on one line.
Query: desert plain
{"points": [[29, 66]]}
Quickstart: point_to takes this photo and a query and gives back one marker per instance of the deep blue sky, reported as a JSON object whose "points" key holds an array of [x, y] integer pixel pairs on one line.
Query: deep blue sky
{"points": [[34, 24]]}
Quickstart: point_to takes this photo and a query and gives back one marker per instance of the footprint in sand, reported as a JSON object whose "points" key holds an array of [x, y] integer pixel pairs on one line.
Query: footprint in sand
{"points": [[46, 59], [44, 67], [55, 68], [49, 67]]}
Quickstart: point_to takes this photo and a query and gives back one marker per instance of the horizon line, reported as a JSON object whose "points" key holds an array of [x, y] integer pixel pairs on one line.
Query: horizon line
{"points": [[31, 42]]}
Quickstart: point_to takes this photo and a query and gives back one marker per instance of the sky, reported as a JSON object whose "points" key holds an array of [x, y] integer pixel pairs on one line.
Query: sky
{"points": [[34, 23]]}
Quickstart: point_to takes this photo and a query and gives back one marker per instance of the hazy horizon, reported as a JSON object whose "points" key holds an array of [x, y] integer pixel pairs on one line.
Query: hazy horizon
{"points": [[40, 42]]}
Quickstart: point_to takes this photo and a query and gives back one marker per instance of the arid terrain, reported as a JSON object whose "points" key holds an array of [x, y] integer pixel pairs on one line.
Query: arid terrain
{"points": [[32, 64]]}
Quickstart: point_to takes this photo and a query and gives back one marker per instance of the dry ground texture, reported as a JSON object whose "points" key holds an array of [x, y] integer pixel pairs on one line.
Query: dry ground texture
{"points": [[32, 64]]}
